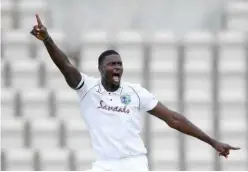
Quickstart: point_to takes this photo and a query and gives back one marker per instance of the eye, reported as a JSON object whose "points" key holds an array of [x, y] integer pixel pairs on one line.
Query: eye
{"points": [[111, 63], [115, 63]]}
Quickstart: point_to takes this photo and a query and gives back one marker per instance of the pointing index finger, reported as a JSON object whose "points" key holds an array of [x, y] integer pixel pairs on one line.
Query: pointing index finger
{"points": [[38, 20], [234, 148]]}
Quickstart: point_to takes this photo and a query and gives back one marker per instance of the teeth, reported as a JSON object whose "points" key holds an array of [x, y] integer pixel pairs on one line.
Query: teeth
{"points": [[116, 78]]}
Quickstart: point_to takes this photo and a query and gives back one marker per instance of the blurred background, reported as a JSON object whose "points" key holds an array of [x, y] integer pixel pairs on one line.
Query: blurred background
{"points": [[192, 54]]}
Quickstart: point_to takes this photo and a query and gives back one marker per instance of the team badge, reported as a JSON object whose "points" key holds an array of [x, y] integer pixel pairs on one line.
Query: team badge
{"points": [[126, 99]]}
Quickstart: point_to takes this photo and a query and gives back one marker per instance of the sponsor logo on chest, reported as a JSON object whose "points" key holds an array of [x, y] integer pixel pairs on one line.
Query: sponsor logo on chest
{"points": [[120, 109]]}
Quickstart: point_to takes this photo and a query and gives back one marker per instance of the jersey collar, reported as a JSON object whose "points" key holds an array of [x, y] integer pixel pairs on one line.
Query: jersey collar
{"points": [[102, 90]]}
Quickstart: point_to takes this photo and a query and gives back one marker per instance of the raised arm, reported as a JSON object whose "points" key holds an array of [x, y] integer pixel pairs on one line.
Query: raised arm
{"points": [[71, 74], [180, 123]]}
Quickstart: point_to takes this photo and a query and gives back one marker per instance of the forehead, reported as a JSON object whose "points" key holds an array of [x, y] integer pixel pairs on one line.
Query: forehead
{"points": [[112, 58]]}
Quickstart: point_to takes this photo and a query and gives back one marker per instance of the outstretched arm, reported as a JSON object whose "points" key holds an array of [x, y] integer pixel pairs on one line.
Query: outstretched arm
{"points": [[180, 123], [71, 74]]}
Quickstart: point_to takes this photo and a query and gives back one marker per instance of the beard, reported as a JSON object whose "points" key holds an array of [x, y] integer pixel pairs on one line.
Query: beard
{"points": [[109, 84]]}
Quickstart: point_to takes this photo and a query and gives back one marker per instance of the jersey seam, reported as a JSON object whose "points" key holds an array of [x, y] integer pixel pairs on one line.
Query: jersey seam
{"points": [[136, 94], [87, 92]]}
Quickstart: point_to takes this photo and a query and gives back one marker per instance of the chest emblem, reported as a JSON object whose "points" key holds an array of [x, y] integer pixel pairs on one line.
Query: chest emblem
{"points": [[126, 99]]}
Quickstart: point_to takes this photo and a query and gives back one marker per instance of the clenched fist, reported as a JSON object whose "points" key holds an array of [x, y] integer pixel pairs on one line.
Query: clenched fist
{"points": [[40, 31]]}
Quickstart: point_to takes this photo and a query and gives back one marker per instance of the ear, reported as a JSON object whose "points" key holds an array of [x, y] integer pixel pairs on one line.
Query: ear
{"points": [[100, 69]]}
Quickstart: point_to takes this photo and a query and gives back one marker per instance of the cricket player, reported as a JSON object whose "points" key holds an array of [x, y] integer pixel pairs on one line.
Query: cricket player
{"points": [[112, 110]]}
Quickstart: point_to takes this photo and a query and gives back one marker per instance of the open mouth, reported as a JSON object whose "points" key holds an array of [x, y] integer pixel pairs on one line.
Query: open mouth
{"points": [[116, 77]]}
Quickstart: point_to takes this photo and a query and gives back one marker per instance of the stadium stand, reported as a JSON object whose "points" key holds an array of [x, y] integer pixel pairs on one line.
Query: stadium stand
{"points": [[41, 124], [24, 73], [45, 133], [12, 133], [26, 10], [7, 7], [54, 159], [16, 43], [92, 45], [8, 104], [19, 159], [35, 104], [236, 15], [67, 103]]}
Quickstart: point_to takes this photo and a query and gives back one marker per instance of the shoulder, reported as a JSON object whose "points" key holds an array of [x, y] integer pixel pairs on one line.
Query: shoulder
{"points": [[90, 80], [137, 88], [147, 100]]}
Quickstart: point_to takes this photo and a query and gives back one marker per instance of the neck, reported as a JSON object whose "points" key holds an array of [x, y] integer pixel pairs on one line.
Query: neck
{"points": [[109, 86]]}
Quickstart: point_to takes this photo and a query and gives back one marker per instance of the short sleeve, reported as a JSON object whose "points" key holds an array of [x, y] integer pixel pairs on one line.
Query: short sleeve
{"points": [[147, 100], [85, 85], [81, 83]]}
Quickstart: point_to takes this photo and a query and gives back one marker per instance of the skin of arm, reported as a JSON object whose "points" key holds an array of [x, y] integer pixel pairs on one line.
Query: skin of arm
{"points": [[71, 74], [182, 124]]}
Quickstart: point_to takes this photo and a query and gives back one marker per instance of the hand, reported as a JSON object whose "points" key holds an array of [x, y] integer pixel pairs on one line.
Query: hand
{"points": [[39, 31], [224, 149]]}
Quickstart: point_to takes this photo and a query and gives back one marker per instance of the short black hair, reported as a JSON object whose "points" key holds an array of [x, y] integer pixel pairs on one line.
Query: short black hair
{"points": [[104, 55]]}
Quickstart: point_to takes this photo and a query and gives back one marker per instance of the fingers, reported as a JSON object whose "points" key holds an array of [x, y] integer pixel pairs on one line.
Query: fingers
{"points": [[37, 29], [234, 148], [33, 32], [38, 20], [226, 151], [223, 154]]}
